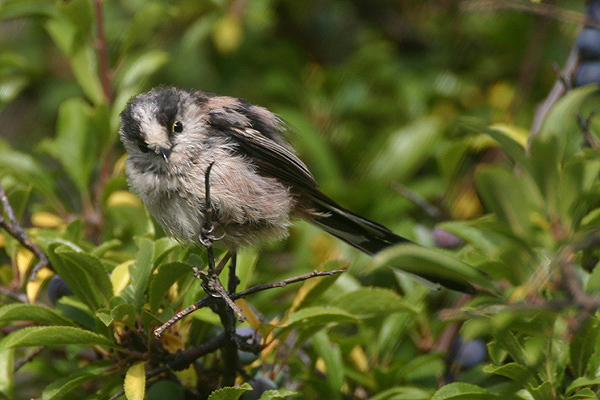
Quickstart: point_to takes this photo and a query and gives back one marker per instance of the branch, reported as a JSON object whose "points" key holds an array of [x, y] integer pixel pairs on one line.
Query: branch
{"points": [[15, 230], [105, 73], [584, 125], [558, 90], [206, 300]]}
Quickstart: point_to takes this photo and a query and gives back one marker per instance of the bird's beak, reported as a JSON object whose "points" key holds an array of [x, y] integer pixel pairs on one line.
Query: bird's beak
{"points": [[165, 152]]}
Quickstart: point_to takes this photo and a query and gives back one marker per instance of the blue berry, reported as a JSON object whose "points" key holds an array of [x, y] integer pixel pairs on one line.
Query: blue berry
{"points": [[57, 288], [469, 353], [588, 72], [445, 239], [588, 44], [592, 10]]}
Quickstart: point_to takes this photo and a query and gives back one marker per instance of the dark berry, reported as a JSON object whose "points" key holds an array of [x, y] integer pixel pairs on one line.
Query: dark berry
{"points": [[445, 239], [469, 353], [57, 288], [588, 44], [592, 10], [588, 72]]}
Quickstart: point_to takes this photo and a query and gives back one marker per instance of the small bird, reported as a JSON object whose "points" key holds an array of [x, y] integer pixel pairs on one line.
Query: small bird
{"points": [[257, 182]]}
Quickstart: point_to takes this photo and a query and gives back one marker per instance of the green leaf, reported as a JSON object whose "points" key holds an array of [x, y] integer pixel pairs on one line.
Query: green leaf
{"points": [[370, 301], [407, 150], [21, 8], [85, 276], [433, 265], [162, 247], [152, 16], [7, 363], [561, 125], [514, 371], [583, 346], [67, 34], [544, 391], [581, 382], [136, 71], [55, 336], [229, 392], [461, 391], [508, 196], [135, 382], [27, 170], [73, 145], [277, 394], [141, 270], [34, 313], [61, 388], [124, 313], [331, 354], [396, 325], [584, 394], [508, 139], [165, 276], [100, 250], [311, 316], [402, 393], [509, 342]]}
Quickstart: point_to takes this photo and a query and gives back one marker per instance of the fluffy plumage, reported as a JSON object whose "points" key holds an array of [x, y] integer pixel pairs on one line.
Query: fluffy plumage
{"points": [[257, 181]]}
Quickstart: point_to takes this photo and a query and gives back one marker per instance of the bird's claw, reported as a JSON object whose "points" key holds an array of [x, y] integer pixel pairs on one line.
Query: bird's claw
{"points": [[207, 236]]}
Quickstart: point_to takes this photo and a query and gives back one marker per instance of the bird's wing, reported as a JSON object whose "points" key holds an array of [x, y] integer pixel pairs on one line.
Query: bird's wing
{"points": [[258, 135]]}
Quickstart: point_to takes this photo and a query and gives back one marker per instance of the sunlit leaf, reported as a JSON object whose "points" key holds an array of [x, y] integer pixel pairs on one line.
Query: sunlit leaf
{"points": [[135, 382]]}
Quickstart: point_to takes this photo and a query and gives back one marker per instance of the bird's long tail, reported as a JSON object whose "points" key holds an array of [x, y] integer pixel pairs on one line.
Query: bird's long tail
{"points": [[367, 236], [370, 237]]}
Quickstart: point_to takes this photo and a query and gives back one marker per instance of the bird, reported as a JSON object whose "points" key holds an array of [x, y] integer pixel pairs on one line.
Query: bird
{"points": [[258, 184]]}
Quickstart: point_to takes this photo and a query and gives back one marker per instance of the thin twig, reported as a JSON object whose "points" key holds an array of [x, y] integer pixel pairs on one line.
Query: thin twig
{"points": [[558, 90], [546, 10], [584, 125], [417, 199], [29, 358], [14, 293], [206, 300], [13, 227], [105, 73]]}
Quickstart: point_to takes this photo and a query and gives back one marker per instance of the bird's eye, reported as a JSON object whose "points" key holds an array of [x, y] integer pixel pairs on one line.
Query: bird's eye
{"points": [[143, 148], [177, 127]]}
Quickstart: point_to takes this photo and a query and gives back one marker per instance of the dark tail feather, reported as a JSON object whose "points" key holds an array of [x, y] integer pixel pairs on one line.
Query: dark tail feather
{"points": [[367, 236], [370, 237]]}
